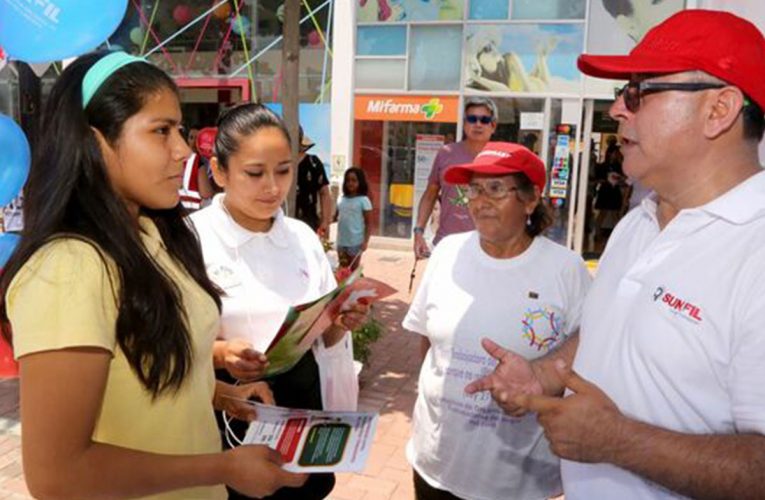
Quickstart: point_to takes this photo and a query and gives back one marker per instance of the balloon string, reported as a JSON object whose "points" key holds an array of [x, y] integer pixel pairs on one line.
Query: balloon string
{"points": [[219, 55], [151, 23], [318, 28], [246, 52], [199, 39], [324, 82], [164, 51], [275, 41], [188, 26]]}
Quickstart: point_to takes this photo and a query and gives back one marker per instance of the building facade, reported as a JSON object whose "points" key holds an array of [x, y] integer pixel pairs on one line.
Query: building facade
{"points": [[413, 63]]}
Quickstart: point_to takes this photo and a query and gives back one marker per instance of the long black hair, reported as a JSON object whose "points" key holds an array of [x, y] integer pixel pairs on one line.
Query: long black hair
{"points": [[68, 194], [363, 189]]}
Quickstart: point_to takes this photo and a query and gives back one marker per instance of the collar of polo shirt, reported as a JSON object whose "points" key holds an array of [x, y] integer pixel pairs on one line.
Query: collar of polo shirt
{"points": [[234, 235]]}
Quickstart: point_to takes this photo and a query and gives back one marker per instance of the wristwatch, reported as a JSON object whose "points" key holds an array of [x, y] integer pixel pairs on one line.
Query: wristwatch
{"points": [[418, 230]]}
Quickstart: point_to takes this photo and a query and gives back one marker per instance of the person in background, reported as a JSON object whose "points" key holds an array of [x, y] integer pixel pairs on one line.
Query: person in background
{"points": [[312, 190], [354, 218], [197, 187], [479, 123], [117, 387]]}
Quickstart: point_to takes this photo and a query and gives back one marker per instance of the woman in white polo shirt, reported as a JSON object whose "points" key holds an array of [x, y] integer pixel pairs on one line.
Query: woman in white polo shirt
{"points": [[265, 263], [507, 283]]}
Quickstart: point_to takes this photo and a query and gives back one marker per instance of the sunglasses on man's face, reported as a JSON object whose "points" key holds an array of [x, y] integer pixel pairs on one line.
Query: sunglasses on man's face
{"points": [[633, 92], [473, 119]]}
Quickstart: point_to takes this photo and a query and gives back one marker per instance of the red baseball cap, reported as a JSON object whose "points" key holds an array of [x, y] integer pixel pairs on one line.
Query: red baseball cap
{"points": [[500, 158], [206, 141], [718, 43]]}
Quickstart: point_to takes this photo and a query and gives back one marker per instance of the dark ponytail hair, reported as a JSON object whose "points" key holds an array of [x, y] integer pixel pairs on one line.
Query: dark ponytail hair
{"points": [[541, 218], [240, 121], [68, 195]]}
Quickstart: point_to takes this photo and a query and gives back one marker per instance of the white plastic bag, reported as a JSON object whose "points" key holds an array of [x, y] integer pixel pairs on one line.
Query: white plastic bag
{"points": [[337, 374]]}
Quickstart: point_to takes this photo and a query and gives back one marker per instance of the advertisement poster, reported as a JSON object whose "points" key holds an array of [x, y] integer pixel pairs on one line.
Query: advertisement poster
{"points": [[314, 441], [426, 147], [561, 168], [373, 11], [523, 57], [616, 26]]}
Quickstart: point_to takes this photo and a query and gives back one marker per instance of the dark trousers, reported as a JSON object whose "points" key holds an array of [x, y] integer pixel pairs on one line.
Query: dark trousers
{"points": [[424, 491], [297, 388]]}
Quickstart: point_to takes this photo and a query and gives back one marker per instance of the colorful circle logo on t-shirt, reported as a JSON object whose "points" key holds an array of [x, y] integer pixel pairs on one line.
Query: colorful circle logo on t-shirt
{"points": [[542, 327]]}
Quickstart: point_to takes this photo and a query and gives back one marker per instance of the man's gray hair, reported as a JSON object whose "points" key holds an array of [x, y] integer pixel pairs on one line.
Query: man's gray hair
{"points": [[472, 102]]}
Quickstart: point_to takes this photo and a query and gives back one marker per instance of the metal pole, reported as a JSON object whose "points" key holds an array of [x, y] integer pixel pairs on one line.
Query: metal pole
{"points": [[291, 84]]}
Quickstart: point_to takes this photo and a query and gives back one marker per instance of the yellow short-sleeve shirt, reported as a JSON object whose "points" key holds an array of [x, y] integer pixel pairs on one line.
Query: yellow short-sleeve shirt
{"points": [[63, 297]]}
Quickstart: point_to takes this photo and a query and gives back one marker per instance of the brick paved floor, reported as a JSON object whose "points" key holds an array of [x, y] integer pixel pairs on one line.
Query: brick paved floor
{"points": [[11, 476], [389, 386]]}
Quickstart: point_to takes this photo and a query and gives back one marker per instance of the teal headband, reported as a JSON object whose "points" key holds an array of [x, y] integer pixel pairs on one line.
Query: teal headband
{"points": [[103, 69]]}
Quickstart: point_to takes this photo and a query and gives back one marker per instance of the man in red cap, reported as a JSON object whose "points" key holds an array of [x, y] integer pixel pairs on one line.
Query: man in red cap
{"points": [[664, 393]]}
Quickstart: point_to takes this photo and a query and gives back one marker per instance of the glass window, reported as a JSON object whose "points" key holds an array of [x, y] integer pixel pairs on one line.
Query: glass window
{"points": [[381, 41], [390, 153], [380, 73], [525, 57], [548, 9], [488, 9], [409, 10], [564, 117], [435, 57], [9, 92], [516, 121]]}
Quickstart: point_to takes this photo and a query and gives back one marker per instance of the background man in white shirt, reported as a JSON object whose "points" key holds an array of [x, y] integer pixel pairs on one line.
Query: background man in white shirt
{"points": [[666, 398]]}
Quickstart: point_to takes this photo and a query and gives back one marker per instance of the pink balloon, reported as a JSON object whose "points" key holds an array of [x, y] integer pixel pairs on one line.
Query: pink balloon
{"points": [[314, 38], [182, 14]]}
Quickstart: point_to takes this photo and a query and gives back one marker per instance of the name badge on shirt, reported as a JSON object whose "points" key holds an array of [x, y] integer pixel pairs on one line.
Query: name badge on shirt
{"points": [[223, 276]]}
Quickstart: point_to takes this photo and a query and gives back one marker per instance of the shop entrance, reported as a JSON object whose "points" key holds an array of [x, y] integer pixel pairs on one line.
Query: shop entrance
{"points": [[202, 99], [607, 194], [396, 157]]}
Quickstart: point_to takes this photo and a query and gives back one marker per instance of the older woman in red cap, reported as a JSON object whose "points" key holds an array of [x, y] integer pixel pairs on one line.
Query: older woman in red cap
{"points": [[505, 282]]}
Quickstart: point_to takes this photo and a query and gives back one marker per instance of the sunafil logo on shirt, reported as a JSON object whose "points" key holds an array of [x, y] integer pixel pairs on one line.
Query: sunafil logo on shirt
{"points": [[677, 305]]}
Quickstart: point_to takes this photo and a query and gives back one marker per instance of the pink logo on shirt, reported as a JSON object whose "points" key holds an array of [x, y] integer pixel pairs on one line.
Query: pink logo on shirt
{"points": [[677, 305]]}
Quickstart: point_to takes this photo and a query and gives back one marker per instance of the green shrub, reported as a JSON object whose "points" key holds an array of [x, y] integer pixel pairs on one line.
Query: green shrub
{"points": [[364, 337]]}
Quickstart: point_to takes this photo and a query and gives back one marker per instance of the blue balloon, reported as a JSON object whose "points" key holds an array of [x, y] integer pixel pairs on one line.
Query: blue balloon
{"points": [[244, 28], [43, 31], [8, 242], [14, 159]]}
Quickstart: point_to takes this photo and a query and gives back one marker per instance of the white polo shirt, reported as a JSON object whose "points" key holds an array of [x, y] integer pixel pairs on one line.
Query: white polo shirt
{"points": [[263, 274], [671, 328]]}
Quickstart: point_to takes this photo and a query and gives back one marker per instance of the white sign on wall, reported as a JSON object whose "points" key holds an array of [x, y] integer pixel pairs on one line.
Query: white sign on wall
{"points": [[425, 150], [532, 121]]}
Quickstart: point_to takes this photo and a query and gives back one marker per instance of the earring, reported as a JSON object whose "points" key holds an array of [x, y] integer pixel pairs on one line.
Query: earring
{"points": [[528, 219]]}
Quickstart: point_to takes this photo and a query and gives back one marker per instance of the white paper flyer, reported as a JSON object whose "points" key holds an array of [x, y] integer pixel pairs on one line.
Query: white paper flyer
{"points": [[315, 441]]}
